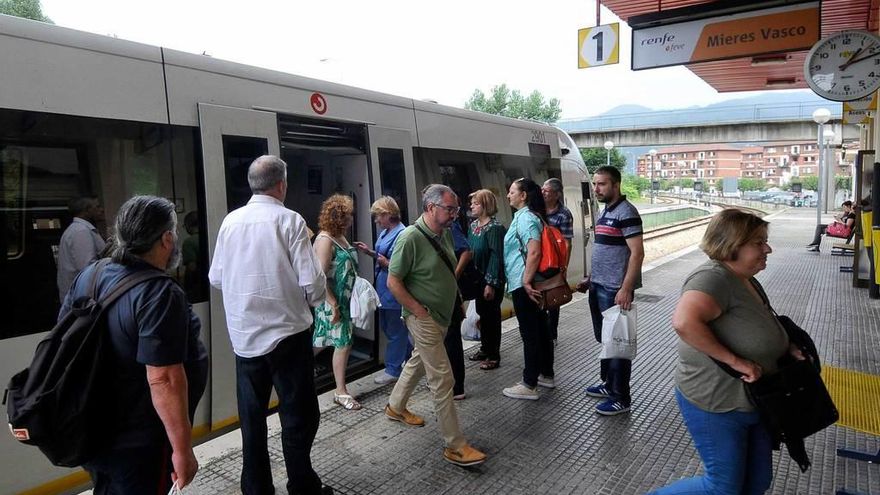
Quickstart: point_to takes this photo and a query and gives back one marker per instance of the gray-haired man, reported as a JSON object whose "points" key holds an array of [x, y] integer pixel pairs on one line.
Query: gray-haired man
{"points": [[421, 277]]}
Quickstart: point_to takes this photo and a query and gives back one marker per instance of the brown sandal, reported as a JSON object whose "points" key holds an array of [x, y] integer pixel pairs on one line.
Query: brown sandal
{"points": [[490, 364]]}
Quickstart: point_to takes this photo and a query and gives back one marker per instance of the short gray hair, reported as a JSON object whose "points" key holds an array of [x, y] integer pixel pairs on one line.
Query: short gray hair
{"points": [[141, 221], [554, 184], [433, 195], [265, 172]]}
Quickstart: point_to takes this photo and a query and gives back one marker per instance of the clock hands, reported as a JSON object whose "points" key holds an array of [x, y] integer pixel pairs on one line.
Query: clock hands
{"points": [[853, 60]]}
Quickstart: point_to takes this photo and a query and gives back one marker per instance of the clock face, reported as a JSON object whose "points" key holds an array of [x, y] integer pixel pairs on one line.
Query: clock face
{"points": [[844, 66]]}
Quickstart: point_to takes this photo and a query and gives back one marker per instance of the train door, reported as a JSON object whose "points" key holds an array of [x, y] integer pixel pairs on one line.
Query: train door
{"points": [[391, 157], [231, 139]]}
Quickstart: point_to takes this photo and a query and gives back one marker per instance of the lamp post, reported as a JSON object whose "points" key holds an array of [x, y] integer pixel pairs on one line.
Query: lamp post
{"points": [[827, 171], [652, 152], [608, 147], [820, 116]]}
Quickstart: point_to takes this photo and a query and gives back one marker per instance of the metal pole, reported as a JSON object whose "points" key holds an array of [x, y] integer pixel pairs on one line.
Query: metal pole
{"points": [[652, 179], [608, 157], [819, 182]]}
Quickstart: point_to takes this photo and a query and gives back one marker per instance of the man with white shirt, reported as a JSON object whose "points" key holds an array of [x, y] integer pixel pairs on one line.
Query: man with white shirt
{"points": [[80, 243], [264, 264]]}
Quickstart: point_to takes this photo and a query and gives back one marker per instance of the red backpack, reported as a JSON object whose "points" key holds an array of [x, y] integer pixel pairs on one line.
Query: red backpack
{"points": [[554, 251]]}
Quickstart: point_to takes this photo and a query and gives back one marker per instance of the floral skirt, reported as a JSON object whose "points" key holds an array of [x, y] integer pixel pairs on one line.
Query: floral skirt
{"points": [[328, 334]]}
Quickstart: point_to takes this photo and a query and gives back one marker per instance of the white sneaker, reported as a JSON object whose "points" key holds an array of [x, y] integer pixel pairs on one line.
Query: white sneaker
{"points": [[546, 382], [384, 378], [521, 391]]}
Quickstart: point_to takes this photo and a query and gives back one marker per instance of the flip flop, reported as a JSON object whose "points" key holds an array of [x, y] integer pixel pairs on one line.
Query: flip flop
{"points": [[490, 364], [346, 401]]}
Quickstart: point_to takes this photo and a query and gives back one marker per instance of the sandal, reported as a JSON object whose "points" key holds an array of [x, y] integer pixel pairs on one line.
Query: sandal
{"points": [[346, 401], [490, 364], [479, 356]]}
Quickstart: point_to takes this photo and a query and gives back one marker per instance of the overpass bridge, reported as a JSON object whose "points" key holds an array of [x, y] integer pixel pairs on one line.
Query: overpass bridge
{"points": [[729, 124]]}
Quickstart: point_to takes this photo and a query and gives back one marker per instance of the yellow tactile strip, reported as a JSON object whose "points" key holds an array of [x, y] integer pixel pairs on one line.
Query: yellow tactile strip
{"points": [[857, 396]]}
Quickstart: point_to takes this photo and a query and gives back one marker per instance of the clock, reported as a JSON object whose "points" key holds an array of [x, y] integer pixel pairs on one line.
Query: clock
{"points": [[844, 66]]}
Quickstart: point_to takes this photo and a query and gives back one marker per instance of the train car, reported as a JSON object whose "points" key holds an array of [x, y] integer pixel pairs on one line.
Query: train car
{"points": [[88, 115]]}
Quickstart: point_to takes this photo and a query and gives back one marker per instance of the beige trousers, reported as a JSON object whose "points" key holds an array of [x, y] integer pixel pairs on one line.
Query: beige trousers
{"points": [[429, 357]]}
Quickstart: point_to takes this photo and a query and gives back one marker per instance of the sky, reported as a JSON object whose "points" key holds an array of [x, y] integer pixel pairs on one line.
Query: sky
{"points": [[439, 51]]}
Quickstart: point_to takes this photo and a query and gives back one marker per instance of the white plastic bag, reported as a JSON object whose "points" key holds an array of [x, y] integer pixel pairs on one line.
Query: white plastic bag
{"points": [[618, 333], [364, 301], [470, 326]]}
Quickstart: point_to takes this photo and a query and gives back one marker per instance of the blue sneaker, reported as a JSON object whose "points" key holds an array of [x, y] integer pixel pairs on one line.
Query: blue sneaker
{"points": [[611, 407], [598, 391]]}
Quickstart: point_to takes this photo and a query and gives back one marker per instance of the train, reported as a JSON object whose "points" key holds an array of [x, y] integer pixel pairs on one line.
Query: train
{"points": [[89, 115]]}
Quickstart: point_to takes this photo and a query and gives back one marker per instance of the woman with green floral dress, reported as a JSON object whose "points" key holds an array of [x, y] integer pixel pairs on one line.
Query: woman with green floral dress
{"points": [[338, 258]]}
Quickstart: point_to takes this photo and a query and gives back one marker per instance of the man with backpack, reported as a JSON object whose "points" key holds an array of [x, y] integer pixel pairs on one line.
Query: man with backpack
{"points": [[157, 366], [615, 274], [559, 216]]}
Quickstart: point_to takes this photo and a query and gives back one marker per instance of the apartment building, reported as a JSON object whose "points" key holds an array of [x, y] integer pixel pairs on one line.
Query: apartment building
{"points": [[705, 162]]}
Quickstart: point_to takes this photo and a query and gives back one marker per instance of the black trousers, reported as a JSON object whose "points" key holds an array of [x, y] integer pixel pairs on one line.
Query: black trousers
{"points": [[454, 348], [537, 344], [290, 369], [132, 471], [490, 325]]}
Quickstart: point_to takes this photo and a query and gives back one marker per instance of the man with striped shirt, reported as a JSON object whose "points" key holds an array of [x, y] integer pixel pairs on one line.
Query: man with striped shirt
{"points": [[616, 273]]}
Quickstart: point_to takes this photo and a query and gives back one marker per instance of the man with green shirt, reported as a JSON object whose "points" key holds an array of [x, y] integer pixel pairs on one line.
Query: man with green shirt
{"points": [[421, 278]]}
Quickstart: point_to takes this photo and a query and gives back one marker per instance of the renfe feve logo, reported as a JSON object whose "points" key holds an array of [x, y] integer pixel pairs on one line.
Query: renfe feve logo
{"points": [[666, 41]]}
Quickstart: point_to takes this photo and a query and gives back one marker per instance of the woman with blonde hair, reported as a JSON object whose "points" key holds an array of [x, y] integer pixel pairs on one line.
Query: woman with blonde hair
{"points": [[724, 317], [486, 240], [386, 214], [333, 317]]}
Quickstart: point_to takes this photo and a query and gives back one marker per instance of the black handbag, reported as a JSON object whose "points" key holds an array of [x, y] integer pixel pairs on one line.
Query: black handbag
{"points": [[471, 283]]}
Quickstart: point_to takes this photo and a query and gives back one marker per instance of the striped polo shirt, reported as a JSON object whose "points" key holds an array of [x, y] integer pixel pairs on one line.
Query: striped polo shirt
{"points": [[617, 223]]}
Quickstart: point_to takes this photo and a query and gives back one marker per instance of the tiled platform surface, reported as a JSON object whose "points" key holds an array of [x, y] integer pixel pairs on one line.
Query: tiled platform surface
{"points": [[558, 445]]}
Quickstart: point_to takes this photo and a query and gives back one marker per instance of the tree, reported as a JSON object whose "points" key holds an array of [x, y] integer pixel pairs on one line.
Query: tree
{"points": [[746, 184], [633, 185], [687, 183], [596, 157], [503, 101], [843, 182], [28, 9]]}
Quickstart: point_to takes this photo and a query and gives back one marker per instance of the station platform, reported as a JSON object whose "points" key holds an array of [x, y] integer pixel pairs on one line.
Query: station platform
{"points": [[559, 445]]}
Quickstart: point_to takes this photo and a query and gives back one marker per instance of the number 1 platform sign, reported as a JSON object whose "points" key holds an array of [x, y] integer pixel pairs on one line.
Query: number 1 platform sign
{"points": [[598, 45]]}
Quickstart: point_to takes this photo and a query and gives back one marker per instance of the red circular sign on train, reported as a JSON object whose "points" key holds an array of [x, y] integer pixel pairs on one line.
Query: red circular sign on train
{"points": [[319, 104]]}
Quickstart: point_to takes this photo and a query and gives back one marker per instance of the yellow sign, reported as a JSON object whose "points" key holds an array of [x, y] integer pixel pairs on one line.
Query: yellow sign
{"points": [[598, 45], [860, 111]]}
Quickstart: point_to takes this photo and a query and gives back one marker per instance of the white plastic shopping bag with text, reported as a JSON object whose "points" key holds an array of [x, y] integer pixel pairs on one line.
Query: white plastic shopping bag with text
{"points": [[618, 333]]}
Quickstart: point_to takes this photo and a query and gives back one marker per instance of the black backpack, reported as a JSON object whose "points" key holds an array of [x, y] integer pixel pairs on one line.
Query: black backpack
{"points": [[59, 403]]}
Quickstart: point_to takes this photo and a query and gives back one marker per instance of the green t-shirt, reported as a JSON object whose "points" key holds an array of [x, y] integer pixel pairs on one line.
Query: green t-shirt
{"points": [[746, 327], [424, 274]]}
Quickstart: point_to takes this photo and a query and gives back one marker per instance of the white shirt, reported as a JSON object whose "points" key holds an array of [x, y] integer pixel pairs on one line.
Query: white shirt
{"points": [[265, 266], [80, 244]]}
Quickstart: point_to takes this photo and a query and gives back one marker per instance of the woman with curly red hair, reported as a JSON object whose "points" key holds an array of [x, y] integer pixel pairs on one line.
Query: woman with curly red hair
{"points": [[333, 325]]}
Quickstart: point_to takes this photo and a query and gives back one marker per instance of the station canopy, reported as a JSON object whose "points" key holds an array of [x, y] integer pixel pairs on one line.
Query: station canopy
{"points": [[749, 74]]}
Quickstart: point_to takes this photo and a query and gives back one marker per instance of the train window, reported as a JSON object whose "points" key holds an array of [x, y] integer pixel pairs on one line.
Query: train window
{"points": [[393, 177], [238, 154], [46, 160]]}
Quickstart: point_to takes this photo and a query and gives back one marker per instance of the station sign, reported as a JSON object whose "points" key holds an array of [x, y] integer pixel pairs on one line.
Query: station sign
{"points": [[599, 45], [698, 186], [707, 35], [797, 187], [860, 111]]}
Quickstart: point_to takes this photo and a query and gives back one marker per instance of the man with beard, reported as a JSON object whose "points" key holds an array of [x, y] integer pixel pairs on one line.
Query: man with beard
{"points": [[615, 274], [270, 278], [159, 365], [422, 278]]}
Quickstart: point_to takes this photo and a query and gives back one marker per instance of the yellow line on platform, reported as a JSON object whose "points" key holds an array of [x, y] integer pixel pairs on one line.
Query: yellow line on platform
{"points": [[857, 397]]}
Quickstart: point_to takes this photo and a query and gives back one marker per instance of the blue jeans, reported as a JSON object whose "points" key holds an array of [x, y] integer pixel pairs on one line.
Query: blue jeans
{"points": [[735, 450], [290, 369], [614, 373], [398, 348]]}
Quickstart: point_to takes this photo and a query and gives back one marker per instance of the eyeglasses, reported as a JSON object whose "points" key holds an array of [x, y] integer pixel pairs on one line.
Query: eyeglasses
{"points": [[452, 210]]}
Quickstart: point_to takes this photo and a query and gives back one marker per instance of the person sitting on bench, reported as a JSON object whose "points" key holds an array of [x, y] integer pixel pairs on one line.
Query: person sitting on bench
{"points": [[841, 227]]}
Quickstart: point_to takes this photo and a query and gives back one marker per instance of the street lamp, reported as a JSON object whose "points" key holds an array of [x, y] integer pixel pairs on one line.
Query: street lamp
{"points": [[820, 116], [826, 173], [652, 152], [608, 146]]}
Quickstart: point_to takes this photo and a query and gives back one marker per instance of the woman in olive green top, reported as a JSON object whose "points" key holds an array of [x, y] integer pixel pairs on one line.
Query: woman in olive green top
{"points": [[722, 315], [486, 240]]}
